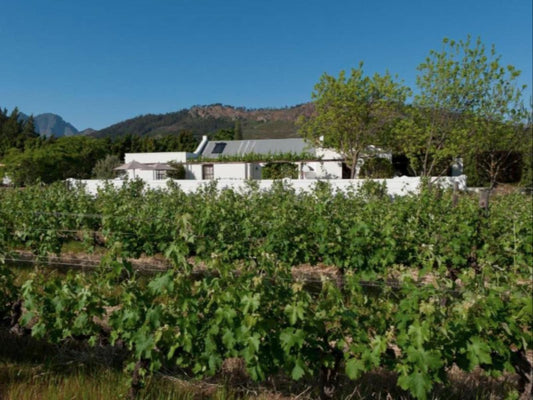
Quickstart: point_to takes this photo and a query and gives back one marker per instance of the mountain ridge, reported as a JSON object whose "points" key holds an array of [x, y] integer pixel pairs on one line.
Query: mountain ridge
{"points": [[256, 123]]}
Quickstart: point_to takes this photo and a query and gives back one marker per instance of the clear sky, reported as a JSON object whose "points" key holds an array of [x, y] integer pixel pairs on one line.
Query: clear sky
{"points": [[98, 62]]}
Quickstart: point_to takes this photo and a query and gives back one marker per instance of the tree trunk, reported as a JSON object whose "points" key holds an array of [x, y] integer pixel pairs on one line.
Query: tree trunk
{"points": [[355, 159]]}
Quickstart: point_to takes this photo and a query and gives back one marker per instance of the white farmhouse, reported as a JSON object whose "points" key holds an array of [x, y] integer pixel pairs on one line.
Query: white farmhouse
{"points": [[210, 160]]}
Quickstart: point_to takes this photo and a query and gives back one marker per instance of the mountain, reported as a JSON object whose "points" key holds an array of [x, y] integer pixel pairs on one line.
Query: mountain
{"points": [[49, 124], [87, 132], [52, 124], [262, 123]]}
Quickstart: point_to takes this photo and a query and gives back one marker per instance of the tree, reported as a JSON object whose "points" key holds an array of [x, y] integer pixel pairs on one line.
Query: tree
{"points": [[65, 157], [464, 99], [353, 113], [178, 170], [498, 134], [224, 134], [377, 168], [238, 131], [186, 141], [105, 167]]}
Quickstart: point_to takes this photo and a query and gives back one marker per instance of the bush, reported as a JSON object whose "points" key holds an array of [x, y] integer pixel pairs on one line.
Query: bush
{"points": [[178, 171], [279, 170], [377, 168], [105, 167]]}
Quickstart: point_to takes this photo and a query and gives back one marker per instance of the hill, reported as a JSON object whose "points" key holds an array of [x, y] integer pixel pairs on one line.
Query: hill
{"points": [[264, 123]]}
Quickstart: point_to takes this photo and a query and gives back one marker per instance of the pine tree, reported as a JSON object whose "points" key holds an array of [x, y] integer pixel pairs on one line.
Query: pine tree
{"points": [[28, 130]]}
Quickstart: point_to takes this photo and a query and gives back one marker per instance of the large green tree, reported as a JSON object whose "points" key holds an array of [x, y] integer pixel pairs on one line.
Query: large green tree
{"points": [[352, 113], [66, 157], [498, 129], [466, 103], [105, 167]]}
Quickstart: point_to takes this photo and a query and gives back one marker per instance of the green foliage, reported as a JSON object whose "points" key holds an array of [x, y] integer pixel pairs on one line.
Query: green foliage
{"points": [[66, 157], [354, 113], [377, 168], [279, 170], [467, 103], [105, 168], [223, 134], [178, 171], [14, 133], [238, 131]]}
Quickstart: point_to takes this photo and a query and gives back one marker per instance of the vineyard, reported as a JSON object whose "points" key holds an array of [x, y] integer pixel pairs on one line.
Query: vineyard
{"points": [[321, 286]]}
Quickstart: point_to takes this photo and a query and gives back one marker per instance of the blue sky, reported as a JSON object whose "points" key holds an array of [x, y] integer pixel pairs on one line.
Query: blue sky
{"points": [[99, 62]]}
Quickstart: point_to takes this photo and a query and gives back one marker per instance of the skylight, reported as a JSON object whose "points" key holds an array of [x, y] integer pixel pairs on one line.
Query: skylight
{"points": [[219, 148]]}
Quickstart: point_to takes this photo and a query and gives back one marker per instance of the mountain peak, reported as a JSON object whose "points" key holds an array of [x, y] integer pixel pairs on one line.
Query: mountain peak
{"points": [[49, 124]]}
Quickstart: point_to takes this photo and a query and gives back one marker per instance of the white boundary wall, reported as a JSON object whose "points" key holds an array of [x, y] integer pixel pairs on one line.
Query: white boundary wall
{"points": [[156, 157], [395, 186]]}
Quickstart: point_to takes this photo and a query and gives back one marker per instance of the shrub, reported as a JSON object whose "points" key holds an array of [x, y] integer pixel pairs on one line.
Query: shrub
{"points": [[280, 170], [178, 171], [105, 167], [377, 168]]}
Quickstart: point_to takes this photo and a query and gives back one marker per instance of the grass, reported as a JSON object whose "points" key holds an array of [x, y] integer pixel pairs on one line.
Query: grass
{"points": [[35, 370]]}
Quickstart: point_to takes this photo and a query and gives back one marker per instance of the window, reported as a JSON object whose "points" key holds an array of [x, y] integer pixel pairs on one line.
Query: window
{"points": [[160, 174], [208, 171], [219, 148]]}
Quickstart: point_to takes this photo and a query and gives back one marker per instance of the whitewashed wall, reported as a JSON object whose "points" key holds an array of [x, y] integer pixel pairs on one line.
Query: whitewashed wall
{"points": [[193, 171], [156, 157], [231, 171], [395, 186], [221, 171], [323, 169]]}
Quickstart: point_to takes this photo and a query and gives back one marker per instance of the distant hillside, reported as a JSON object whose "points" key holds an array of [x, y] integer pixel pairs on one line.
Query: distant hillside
{"points": [[265, 123], [87, 132], [51, 124]]}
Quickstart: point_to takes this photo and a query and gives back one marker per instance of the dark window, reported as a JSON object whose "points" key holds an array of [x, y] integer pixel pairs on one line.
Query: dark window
{"points": [[160, 174], [219, 148], [208, 171]]}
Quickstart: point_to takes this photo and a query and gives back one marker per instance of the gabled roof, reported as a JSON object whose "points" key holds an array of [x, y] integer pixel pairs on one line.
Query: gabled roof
{"points": [[217, 148]]}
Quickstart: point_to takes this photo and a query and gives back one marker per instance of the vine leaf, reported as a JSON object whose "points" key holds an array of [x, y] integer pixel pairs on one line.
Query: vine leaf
{"points": [[418, 383], [354, 368], [478, 352], [298, 371]]}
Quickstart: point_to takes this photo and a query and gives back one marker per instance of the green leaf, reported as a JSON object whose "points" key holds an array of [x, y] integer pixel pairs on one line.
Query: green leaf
{"points": [[298, 370], [290, 338], [228, 339], [423, 359], [478, 352], [163, 282], [294, 312], [354, 368], [250, 303], [144, 343], [418, 384]]}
